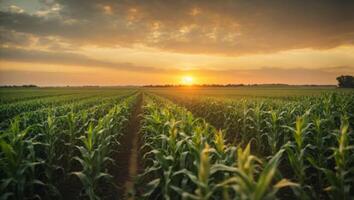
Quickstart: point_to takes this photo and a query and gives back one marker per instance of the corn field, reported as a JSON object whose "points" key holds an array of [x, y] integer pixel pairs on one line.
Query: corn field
{"points": [[42, 149], [64, 145]]}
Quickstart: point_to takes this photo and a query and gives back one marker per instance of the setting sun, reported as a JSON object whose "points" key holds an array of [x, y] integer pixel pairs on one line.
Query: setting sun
{"points": [[187, 80]]}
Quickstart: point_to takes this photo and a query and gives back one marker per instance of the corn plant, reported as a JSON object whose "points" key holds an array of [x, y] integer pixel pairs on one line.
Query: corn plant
{"points": [[219, 142], [340, 186], [91, 161], [274, 135], [71, 134], [49, 140], [297, 154], [95, 149], [245, 123], [243, 182], [204, 190], [17, 162], [318, 157], [258, 126]]}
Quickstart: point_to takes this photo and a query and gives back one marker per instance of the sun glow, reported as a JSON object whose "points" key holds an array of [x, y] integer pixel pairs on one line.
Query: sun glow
{"points": [[187, 80]]}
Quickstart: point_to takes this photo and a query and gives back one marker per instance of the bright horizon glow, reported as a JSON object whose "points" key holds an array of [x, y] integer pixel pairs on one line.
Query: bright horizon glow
{"points": [[187, 80]]}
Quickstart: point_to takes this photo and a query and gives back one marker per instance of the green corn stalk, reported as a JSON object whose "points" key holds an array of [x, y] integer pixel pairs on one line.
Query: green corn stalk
{"points": [[219, 142], [50, 142], [91, 161], [174, 171], [338, 179], [203, 173], [18, 162], [245, 136], [244, 182], [318, 158], [258, 126], [96, 148], [274, 135], [296, 154], [71, 134]]}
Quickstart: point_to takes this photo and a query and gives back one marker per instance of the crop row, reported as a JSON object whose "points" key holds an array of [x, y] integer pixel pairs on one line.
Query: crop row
{"points": [[250, 118], [28, 118], [41, 159], [10, 110], [8, 96], [186, 158], [310, 139]]}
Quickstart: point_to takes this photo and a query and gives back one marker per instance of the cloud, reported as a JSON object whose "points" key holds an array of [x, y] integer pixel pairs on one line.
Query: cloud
{"points": [[231, 27], [265, 74], [297, 75], [15, 9], [13, 38], [63, 58]]}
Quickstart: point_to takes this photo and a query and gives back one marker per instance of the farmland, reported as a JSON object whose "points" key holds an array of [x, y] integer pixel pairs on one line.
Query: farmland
{"points": [[177, 143]]}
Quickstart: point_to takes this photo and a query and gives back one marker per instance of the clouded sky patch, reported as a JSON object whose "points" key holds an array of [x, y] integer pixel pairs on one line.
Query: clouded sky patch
{"points": [[154, 36]]}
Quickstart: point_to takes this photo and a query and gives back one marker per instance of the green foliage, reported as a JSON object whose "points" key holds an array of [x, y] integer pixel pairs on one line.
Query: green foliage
{"points": [[17, 162], [345, 81], [95, 149], [38, 147], [341, 178], [250, 147], [305, 127], [186, 158]]}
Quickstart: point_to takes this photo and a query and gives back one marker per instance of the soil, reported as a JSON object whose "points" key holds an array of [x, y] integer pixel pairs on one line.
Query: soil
{"points": [[127, 156]]}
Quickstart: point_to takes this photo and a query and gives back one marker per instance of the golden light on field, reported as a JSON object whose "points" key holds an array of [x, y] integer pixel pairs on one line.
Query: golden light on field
{"points": [[187, 80]]}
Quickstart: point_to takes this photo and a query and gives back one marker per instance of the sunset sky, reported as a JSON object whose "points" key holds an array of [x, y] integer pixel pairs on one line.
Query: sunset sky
{"points": [[123, 42]]}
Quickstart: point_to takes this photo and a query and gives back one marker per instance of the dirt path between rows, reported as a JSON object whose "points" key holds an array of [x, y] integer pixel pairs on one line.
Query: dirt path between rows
{"points": [[124, 170], [127, 156]]}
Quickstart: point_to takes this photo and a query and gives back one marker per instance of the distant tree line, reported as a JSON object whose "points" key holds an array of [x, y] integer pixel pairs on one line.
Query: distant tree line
{"points": [[19, 86], [345, 81], [237, 85]]}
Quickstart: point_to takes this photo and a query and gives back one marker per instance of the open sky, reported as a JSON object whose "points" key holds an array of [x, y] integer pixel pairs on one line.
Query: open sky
{"points": [[120, 42]]}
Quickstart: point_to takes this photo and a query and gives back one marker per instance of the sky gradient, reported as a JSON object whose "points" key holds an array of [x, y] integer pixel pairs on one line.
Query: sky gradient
{"points": [[124, 42]]}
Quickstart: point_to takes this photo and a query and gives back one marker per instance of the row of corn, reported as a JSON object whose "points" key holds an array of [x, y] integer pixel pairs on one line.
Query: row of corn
{"points": [[186, 158], [38, 160], [307, 142], [11, 109], [28, 118]]}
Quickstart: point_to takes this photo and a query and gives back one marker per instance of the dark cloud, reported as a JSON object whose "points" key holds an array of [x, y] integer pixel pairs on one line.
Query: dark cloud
{"points": [[73, 59], [278, 74], [12, 38], [195, 26]]}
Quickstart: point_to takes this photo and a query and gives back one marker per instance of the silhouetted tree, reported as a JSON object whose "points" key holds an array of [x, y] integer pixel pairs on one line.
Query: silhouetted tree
{"points": [[345, 81]]}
